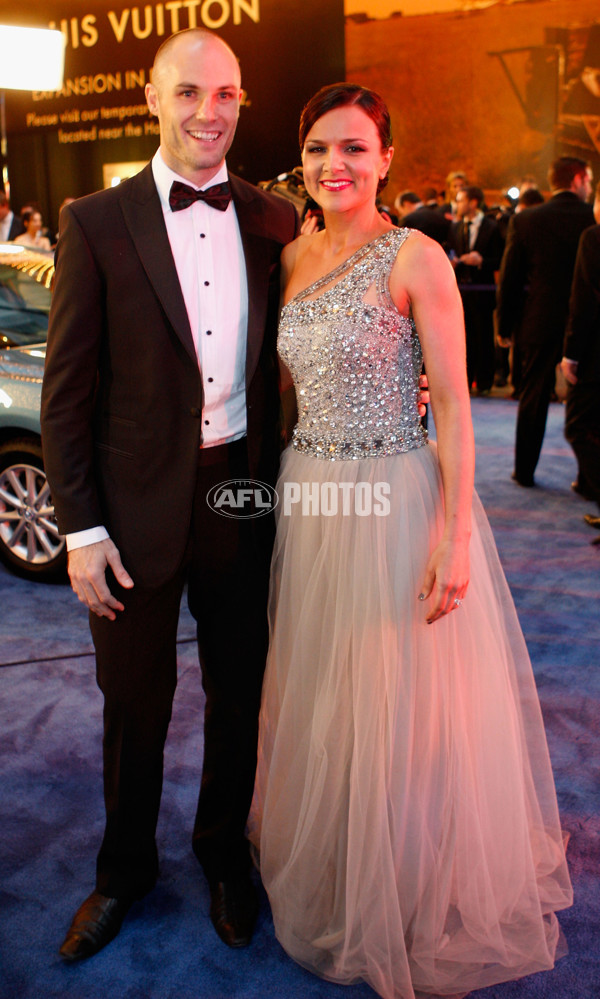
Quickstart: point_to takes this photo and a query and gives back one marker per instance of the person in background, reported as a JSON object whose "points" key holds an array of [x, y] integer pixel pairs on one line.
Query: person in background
{"points": [[414, 214], [455, 182], [533, 298], [529, 198], [475, 246], [581, 365], [11, 225], [430, 197], [32, 236], [66, 201]]}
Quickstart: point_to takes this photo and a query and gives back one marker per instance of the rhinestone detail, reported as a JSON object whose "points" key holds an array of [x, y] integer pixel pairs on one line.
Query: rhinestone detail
{"points": [[354, 359]]}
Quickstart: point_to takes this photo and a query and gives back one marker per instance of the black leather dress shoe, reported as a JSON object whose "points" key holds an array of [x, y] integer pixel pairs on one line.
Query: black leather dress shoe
{"points": [[96, 923], [591, 520], [234, 910], [526, 483]]}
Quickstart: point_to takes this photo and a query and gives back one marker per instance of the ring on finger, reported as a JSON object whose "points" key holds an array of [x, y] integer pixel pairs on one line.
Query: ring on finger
{"points": [[457, 602]]}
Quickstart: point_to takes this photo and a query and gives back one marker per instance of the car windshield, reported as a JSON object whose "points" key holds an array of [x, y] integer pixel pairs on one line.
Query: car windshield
{"points": [[24, 308]]}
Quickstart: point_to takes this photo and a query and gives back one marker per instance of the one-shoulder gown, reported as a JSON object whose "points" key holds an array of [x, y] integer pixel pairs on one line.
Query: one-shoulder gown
{"points": [[404, 814]]}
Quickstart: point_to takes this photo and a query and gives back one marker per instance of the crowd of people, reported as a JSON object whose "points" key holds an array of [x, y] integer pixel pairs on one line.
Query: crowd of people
{"points": [[372, 733], [522, 300], [27, 228]]}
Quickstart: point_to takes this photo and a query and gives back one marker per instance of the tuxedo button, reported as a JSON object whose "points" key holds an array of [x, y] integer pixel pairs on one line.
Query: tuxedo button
{"points": [[196, 412]]}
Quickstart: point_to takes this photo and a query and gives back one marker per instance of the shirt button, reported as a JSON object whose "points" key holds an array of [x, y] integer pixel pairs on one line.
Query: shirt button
{"points": [[206, 283], [209, 332], [211, 379], [202, 235], [207, 422]]}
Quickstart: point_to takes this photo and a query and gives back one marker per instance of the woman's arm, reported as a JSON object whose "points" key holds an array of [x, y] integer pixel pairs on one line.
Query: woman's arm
{"points": [[423, 280]]}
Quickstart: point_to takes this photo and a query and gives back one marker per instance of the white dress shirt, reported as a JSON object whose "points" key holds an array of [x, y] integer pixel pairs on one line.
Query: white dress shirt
{"points": [[474, 225], [209, 258]]}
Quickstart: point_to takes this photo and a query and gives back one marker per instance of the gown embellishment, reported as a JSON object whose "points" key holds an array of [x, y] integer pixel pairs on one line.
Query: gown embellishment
{"points": [[354, 403]]}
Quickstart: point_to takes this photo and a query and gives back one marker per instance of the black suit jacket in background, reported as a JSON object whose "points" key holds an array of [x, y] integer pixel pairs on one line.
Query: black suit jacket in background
{"points": [[537, 270], [582, 341], [429, 221], [122, 393], [488, 243]]}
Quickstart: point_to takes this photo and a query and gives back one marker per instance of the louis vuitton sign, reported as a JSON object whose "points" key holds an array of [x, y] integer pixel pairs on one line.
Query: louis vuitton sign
{"points": [[109, 53]]}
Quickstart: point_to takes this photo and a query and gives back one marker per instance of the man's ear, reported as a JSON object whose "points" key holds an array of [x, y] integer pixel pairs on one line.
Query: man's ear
{"points": [[151, 98]]}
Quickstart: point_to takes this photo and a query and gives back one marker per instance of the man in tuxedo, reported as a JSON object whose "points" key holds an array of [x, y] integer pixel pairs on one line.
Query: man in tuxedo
{"points": [[11, 225], [413, 214], [581, 364], [162, 382], [476, 245], [533, 297]]}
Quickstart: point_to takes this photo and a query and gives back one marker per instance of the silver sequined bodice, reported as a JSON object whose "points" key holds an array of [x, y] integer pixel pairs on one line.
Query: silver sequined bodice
{"points": [[354, 359]]}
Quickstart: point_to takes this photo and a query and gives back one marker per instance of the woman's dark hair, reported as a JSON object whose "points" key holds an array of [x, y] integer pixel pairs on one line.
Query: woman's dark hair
{"points": [[339, 95]]}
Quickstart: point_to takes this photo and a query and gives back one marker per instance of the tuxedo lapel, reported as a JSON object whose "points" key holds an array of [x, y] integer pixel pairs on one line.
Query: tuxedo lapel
{"points": [[144, 219], [251, 222]]}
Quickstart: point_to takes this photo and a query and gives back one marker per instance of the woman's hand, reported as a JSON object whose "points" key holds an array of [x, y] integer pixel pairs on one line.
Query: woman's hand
{"points": [[446, 578]]}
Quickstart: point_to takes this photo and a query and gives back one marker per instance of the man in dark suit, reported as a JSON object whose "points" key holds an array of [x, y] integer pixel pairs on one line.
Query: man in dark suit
{"points": [[161, 383], [533, 297], [11, 225], [581, 364], [475, 246], [413, 214]]}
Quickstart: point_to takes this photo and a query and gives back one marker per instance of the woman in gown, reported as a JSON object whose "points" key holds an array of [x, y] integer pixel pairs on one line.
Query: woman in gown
{"points": [[404, 813]]}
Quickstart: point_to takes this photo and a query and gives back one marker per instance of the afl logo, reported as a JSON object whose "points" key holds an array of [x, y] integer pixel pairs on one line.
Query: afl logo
{"points": [[242, 498]]}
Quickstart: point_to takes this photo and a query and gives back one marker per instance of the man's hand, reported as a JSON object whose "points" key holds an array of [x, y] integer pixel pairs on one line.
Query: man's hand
{"points": [[423, 396], [569, 370], [87, 571], [472, 258], [310, 224]]}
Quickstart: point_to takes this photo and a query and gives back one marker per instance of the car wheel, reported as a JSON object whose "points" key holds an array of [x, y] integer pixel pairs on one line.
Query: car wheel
{"points": [[29, 540]]}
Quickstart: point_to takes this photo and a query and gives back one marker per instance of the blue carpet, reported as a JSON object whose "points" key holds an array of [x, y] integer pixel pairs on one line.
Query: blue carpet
{"points": [[50, 802]]}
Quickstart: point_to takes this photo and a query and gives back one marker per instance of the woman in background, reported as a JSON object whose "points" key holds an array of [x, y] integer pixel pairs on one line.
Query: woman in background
{"points": [[32, 220]]}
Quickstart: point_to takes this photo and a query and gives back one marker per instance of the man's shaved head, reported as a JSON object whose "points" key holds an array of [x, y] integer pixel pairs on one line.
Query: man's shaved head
{"points": [[167, 49]]}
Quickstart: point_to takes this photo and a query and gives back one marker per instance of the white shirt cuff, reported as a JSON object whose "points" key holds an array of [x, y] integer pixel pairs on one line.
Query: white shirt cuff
{"points": [[81, 538]]}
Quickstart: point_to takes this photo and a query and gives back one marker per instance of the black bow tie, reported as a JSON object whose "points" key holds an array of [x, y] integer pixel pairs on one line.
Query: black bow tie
{"points": [[181, 196]]}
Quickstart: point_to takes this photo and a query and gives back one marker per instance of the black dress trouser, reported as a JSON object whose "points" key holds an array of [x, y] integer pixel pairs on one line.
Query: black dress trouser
{"points": [[582, 430], [537, 380], [227, 573], [478, 307]]}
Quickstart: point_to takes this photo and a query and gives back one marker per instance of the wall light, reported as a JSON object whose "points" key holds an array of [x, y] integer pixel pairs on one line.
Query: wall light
{"points": [[32, 58]]}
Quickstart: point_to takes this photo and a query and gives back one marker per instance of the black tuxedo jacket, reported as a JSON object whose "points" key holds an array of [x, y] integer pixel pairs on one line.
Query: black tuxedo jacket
{"points": [[537, 269], [430, 221], [582, 342], [489, 244], [122, 393]]}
